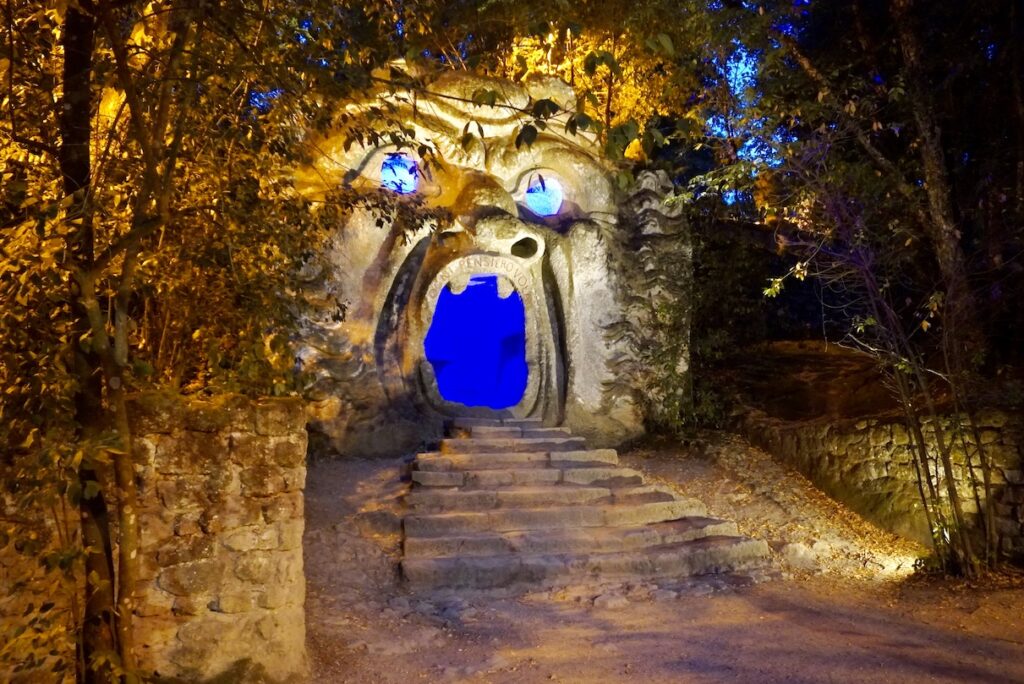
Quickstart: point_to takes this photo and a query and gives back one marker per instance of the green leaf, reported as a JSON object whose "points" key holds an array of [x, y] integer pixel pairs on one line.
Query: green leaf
{"points": [[485, 96], [91, 489], [666, 44], [527, 136], [545, 109]]}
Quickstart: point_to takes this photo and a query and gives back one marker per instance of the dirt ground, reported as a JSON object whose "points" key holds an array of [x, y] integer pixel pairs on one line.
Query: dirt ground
{"points": [[838, 605]]}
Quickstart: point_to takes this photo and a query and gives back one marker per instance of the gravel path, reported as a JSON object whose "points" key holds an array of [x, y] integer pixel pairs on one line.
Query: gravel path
{"points": [[838, 605]]}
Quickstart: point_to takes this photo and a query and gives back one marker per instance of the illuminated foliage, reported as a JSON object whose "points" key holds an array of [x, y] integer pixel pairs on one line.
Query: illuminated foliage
{"points": [[149, 235]]}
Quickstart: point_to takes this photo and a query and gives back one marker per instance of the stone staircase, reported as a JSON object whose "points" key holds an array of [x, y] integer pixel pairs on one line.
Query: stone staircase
{"points": [[512, 504]]}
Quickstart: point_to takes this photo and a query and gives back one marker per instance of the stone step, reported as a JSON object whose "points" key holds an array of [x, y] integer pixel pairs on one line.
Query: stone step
{"points": [[578, 541], [698, 557], [439, 500], [604, 476], [546, 432], [505, 497], [508, 519], [516, 459], [599, 476], [495, 445], [490, 432], [508, 431], [469, 423]]}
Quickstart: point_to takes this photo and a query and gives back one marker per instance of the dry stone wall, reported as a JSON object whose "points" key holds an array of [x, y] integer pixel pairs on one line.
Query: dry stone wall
{"points": [[221, 519], [868, 464]]}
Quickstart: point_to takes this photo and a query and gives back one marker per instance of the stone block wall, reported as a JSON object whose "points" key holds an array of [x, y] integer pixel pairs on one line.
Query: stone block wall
{"points": [[868, 465], [221, 519]]}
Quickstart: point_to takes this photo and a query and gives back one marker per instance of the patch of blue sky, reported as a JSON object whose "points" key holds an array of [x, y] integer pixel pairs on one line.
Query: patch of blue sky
{"points": [[783, 135], [731, 197], [717, 126], [463, 47], [261, 100], [302, 35], [787, 28], [741, 69], [757, 150]]}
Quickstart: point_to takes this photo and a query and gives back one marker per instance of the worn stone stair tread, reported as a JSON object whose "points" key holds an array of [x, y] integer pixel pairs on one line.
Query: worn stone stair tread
{"points": [[506, 497], [536, 459], [469, 423], [507, 519], [706, 555], [569, 540], [599, 475], [470, 445], [491, 432], [512, 431], [531, 496], [448, 461], [541, 432]]}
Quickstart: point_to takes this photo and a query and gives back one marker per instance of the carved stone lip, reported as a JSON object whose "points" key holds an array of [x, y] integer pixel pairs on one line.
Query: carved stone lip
{"points": [[457, 273], [461, 281]]}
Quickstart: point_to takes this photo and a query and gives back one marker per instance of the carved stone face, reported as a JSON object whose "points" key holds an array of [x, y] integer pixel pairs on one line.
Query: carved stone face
{"points": [[377, 389]]}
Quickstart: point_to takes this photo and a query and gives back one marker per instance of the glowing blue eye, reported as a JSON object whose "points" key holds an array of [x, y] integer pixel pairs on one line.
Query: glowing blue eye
{"points": [[544, 196], [399, 173]]}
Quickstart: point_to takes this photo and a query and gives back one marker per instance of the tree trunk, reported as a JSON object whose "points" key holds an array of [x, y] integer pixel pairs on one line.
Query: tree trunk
{"points": [[76, 168], [124, 474], [1016, 36], [942, 226]]}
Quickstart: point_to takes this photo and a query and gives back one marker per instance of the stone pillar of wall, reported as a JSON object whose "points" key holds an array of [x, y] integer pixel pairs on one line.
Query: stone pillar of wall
{"points": [[868, 465], [221, 519], [656, 265]]}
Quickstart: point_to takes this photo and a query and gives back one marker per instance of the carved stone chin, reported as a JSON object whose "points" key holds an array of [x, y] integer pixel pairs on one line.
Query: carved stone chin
{"points": [[560, 264]]}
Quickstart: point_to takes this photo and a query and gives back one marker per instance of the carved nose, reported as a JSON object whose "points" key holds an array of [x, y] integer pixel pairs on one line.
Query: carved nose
{"points": [[507, 235], [482, 197]]}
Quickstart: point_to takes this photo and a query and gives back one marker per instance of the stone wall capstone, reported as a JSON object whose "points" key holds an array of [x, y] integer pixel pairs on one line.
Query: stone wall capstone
{"points": [[868, 464], [222, 588]]}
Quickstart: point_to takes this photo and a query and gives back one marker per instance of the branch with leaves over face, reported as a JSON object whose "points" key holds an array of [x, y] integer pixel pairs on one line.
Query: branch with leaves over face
{"points": [[863, 140], [131, 93]]}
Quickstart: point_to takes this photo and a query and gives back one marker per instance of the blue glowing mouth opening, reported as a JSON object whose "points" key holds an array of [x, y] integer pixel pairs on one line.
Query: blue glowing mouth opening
{"points": [[477, 345]]}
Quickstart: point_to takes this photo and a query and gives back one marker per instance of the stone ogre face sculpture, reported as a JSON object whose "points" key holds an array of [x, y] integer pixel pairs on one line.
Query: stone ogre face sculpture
{"points": [[377, 389]]}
